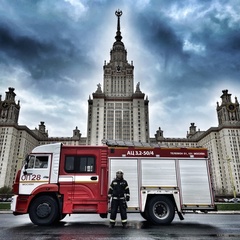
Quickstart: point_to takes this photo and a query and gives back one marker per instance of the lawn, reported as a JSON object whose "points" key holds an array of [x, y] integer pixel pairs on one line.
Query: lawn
{"points": [[228, 206], [5, 206], [220, 206]]}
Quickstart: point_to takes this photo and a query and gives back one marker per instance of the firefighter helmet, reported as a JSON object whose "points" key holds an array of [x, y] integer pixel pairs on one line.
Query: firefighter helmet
{"points": [[120, 171]]}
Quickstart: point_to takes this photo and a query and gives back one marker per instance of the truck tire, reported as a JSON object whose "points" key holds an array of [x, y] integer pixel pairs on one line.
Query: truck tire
{"points": [[60, 217], [44, 211], [161, 210], [103, 215], [145, 215]]}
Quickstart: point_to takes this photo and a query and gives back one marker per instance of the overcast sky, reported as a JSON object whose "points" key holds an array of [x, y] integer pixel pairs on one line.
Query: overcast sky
{"points": [[184, 53]]}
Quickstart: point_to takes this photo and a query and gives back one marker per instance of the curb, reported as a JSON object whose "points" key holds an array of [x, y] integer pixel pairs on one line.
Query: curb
{"points": [[217, 212], [225, 212], [5, 211]]}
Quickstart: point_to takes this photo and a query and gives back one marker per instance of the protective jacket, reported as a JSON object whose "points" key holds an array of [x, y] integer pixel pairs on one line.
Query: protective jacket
{"points": [[119, 188]]}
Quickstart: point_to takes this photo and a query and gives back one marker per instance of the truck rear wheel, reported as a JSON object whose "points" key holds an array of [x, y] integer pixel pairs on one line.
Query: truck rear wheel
{"points": [[145, 215], [161, 210], [44, 210]]}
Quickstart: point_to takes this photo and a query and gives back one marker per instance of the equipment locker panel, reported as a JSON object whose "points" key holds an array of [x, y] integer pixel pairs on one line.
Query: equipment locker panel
{"points": [[158, 173], [129, 167], [194, 182]]}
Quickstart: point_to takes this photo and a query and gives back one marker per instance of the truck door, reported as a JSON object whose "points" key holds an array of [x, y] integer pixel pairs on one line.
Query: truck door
{"points": [[84, 175], [36, 173]]}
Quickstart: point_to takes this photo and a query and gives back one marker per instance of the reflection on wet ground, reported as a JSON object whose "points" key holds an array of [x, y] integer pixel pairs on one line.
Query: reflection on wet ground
{"points": [[88, 228]]}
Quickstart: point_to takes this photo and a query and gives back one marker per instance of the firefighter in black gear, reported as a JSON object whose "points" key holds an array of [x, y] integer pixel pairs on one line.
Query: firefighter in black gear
{"points": [[119, 192]]}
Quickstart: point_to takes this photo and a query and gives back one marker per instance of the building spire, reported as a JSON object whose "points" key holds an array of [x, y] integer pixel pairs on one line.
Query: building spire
{"points": [[118, 37]]}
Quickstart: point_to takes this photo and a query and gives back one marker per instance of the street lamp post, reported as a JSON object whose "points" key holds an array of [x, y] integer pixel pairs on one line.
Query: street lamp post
{"points": [[231, 176]]}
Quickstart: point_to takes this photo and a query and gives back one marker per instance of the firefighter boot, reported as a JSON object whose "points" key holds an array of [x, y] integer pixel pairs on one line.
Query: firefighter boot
{"points": [[111, 224], [124, 225]]}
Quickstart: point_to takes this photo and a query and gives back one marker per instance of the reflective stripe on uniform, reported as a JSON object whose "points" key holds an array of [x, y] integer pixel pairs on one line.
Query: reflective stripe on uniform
{"points": [[113, 221], [125, 220]]}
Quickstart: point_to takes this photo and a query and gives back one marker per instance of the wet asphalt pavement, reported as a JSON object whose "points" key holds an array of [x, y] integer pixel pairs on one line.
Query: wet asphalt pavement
{"points": [[195, 226]]}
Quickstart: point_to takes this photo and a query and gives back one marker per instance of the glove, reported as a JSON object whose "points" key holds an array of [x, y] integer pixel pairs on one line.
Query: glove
{"points": [[109, 197], [127, 198]]}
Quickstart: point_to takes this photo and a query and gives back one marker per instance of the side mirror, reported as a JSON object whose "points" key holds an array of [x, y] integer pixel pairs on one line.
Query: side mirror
{"points": [[25, 166], [25, 169], [26, 161]]}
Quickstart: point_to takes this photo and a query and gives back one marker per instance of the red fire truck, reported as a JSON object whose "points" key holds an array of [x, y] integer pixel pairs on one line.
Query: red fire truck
{"points": [[57, 180]]}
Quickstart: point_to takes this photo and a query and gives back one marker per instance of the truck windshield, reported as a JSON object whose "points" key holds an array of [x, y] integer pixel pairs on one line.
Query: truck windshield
{"points": [[37, 162]]}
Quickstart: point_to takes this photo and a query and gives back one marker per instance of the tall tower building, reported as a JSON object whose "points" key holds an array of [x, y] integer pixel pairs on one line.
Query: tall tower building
{"points": [[9, 109], [228, 112], [9, 144], [118, 111]]}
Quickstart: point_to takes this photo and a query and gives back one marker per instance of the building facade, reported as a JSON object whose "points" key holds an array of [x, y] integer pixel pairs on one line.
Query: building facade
{"points": [[120, 111]]}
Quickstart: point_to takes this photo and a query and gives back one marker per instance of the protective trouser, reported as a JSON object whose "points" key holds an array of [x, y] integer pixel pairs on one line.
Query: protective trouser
{"points": [[121, 203]]}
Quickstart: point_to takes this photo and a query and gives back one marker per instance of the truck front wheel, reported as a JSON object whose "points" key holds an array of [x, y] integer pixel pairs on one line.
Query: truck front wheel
{"points": [[161, 210], [44, 210]]}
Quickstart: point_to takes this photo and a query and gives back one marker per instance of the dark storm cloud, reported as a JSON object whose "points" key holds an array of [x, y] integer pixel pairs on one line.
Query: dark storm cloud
{"points": [[166, 37], [26, 51], [182, 51], [43, 59], [162, 39], [194, 47], [159, 31]]}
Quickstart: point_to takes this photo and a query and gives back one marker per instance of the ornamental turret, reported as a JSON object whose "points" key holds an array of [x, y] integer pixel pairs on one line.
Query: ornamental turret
{"points": [[228, 112]]}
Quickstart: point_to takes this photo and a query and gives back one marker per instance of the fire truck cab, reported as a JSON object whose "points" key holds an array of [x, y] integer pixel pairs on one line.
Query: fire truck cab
{"points": [[57, 180]]}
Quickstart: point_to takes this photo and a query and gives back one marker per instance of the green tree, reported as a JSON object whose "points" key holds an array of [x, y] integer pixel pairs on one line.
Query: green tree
{"points": [[5, 190]]}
